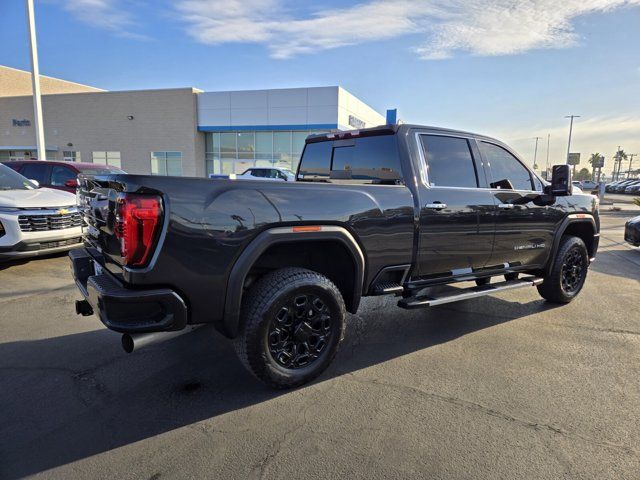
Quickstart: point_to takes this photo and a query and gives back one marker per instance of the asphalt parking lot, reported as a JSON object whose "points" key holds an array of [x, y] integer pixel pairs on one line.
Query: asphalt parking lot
{"points": [[497, 387]]}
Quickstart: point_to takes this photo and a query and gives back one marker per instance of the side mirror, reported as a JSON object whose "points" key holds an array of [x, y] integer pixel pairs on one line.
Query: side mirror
{"points": [[35, 182], [561, 185], [71, 183]]}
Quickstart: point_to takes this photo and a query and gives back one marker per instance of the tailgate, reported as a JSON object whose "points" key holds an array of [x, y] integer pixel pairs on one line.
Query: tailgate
{"points": [[97, 198]]}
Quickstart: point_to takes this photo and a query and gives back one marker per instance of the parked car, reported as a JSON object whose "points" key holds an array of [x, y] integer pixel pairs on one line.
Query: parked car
{"points": [[59, 175], [632, 231], [619, 188], [611, 186], [634, 189], [268, 173], [588, 185], [629, 188], [275, 266], [35, 220]]}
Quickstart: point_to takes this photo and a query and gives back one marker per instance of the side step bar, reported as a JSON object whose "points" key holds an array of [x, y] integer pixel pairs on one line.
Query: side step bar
{"points": [[453, 294]]}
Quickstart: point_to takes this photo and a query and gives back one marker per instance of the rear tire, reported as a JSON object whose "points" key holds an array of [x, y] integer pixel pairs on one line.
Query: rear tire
{"points": [[568, 272], [293, 323]]}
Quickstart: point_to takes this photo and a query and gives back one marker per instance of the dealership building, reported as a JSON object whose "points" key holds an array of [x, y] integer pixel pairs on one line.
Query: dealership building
{"points": [[181, 131]]}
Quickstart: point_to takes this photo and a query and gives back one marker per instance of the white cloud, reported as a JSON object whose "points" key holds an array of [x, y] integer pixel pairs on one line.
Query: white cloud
{"points": [[104, 14], [480, 27]]}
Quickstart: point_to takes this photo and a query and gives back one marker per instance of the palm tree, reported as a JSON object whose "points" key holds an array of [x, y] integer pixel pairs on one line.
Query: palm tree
{"points": [[594, 159], [619, 157]]}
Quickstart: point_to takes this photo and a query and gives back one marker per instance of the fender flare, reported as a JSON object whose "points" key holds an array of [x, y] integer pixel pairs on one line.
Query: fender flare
{"points": [[276, 235], [570, 219]]}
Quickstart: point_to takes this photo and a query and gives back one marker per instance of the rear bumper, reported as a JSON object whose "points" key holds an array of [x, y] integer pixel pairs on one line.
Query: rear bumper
{"points": [[124, 309]]}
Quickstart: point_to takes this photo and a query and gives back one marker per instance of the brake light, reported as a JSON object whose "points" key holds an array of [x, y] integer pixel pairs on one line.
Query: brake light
{"points": [[138, 220]]}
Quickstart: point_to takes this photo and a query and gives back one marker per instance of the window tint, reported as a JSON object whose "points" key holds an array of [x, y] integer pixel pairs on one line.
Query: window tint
{"points": [[315, 162], [505, 166], [34, 171], [449, 162], [372, 160], [59, 175]]}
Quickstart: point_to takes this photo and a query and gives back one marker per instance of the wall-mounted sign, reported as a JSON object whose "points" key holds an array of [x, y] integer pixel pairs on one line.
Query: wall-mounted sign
{"points": [[355, 122], [573, 159], [21, 123]]}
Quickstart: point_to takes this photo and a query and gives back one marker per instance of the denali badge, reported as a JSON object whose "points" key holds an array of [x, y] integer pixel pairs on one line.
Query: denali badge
{"points": [[529, 246]]}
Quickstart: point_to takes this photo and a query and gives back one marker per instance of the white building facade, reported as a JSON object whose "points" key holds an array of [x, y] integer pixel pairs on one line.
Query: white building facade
{"points": [[268, 127]]}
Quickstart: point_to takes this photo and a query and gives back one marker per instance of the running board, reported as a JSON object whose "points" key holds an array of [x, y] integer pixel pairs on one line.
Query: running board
{"points": [[456, 294]]}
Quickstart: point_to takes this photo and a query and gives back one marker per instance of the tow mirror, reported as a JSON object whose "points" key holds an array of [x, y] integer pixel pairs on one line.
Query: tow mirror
{"points": [[561, 185]]}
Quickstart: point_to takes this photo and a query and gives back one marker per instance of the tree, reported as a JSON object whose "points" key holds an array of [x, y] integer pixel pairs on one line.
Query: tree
{"points": [[619, 157], [583, 174], [594, 159]]}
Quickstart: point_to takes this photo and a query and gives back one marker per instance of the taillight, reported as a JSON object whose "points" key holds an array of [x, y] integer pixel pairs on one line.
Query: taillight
{"points": [[138, 220]]}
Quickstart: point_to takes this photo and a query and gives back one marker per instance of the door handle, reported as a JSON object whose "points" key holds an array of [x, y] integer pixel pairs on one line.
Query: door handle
{"points": [[506, 206], [436, 206]]}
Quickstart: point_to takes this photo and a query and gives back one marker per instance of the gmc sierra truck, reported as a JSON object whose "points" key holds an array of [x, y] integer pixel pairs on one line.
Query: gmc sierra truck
{"points": [[275, 266]]}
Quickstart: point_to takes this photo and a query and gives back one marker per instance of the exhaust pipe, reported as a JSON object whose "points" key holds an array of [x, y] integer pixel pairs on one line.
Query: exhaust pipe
{"points": [[132, 342]]}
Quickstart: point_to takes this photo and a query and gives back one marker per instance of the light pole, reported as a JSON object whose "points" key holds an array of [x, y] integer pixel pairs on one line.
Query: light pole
{"points": [[570, 130], [546, 168], [535, 152], [35, 79], [631, 155]]}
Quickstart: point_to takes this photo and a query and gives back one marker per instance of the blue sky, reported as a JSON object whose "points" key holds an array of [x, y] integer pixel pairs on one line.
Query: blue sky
{"points": [[512, 69]]}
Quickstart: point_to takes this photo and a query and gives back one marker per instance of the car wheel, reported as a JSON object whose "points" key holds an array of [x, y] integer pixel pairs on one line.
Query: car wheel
{"points": [[293, 323], [568, 272]]}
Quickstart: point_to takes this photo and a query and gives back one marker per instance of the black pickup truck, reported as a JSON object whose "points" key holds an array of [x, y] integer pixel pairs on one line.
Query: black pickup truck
{"points": [[405, 210]]}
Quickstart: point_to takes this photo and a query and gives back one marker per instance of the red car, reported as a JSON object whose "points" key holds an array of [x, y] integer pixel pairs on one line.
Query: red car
{"points": [[59, 175]]}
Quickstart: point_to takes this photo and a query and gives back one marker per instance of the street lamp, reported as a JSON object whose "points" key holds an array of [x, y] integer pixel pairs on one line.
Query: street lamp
{"points": [[535, 153], [570, 130], [35, 79]]}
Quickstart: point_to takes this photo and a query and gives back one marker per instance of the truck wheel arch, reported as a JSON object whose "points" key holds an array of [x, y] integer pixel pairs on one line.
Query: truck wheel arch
{"points": [[579, 225], [285, 235]]}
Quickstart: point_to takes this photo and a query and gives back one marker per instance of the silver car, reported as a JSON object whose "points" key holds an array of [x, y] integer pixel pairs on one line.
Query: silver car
{"points": [[33, 220]]}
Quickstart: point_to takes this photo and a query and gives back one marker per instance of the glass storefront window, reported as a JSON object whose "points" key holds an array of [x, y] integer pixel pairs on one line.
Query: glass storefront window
{"points": [[166, 163], [234, 152], [228, 148], [246, 142]]}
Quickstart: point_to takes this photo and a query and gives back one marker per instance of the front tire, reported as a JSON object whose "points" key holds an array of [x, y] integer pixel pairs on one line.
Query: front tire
{"points": [[568, 273], [293, 323]]}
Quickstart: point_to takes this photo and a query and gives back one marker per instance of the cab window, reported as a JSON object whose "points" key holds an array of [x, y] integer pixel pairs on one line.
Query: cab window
{"points": [[36, 171], [60, 175], [506, 170], [449, 161]]}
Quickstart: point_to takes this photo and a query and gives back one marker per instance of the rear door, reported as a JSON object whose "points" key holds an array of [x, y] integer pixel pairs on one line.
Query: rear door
{"points": [[456, 208], [524, 226]]}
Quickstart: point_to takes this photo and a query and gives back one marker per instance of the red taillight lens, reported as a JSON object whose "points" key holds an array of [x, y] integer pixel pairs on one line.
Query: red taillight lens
{"points": [[138, 221]]}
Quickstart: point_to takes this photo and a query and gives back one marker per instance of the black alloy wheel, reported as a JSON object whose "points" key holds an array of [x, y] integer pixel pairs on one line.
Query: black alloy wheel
{"points": [[293, 321], [300, 331], [573, 271], [567, 273]]}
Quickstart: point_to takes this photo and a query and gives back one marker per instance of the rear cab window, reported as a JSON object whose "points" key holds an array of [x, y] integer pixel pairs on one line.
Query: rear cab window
{"points": [[372, 160], [36, 171]]}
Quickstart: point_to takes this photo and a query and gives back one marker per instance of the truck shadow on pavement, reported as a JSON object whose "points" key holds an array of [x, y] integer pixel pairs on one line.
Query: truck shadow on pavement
{"points": [[67, 398]]}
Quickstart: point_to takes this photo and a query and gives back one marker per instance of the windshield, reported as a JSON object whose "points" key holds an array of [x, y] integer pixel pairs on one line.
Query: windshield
{"points": [[101, 171], [12, 180]]}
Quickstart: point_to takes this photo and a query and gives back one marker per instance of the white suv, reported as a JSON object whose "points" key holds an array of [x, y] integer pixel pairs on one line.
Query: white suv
{"points": [[33, 220]]}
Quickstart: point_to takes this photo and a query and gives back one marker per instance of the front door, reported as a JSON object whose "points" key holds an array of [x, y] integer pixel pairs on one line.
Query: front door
{"points": [[525, 226], [457, 210]]}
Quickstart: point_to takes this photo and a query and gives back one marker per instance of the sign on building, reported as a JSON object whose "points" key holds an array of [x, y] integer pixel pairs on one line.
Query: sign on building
{"points": [[21, 123], [573, 159], [355, 122]]}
